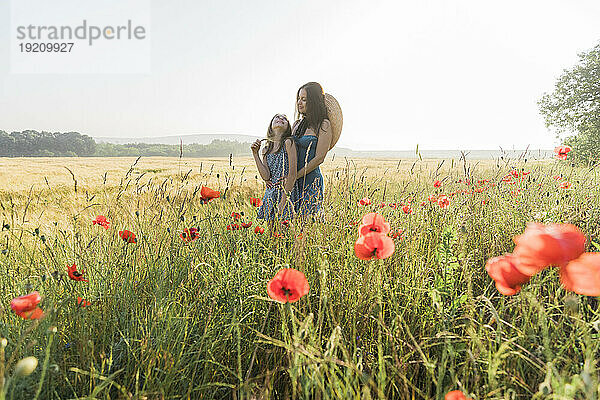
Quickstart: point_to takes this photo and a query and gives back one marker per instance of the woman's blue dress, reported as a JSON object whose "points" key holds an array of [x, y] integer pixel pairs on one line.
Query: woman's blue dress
{"points": [[307, 194], [278, 167]]}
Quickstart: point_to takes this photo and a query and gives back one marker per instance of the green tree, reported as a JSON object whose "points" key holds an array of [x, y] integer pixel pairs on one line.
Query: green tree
{"points": [[573, 108]]}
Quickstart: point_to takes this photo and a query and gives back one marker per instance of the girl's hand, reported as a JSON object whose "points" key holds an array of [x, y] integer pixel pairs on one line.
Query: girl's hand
{"points": [[255, 146]]}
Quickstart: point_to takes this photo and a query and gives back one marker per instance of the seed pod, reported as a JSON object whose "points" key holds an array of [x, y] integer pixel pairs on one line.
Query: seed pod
{"points": [[26, 366]]}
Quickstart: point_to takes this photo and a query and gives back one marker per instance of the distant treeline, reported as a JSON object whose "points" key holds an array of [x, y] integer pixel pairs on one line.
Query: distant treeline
{"points": [[72, 144], [45, 144]]}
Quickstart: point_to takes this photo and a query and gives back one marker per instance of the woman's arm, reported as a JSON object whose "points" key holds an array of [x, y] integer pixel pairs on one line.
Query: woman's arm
{"points": [[290, 179], [323, 142], [263, 170]]}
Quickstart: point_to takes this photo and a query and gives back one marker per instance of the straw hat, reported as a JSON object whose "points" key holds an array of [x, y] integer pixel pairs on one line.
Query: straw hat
{"points": [[334, 113]]}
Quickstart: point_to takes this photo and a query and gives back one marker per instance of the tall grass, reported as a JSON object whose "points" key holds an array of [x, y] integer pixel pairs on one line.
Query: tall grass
{"points": [[170, 319]]}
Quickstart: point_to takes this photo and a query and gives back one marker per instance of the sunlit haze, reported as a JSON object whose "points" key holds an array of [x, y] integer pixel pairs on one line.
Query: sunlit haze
{"points": [[441, 74]]}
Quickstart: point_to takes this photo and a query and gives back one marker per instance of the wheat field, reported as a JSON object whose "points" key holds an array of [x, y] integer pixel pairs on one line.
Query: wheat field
{"points": [[166, 318]]}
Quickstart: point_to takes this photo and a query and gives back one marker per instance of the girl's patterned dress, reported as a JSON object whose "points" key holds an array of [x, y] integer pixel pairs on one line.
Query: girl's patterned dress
{"points": [[278, 167]]}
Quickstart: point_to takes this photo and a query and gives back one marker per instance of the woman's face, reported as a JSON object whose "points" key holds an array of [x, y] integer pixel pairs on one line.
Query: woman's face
{"points": [[280, 122], [302, 101]]}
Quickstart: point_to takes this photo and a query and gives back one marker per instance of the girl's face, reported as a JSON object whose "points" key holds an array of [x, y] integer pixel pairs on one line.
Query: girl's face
{"points": [[279, 123], [301, 102]]}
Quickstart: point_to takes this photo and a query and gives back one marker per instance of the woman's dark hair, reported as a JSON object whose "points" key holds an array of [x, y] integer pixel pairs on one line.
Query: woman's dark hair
{"points": [[316, 111], [286, 134]]}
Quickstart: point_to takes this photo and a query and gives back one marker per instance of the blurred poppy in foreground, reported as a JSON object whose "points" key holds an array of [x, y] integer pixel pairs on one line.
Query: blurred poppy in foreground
{"points": [[82, 302], [102, 221], [288, 285], [561, 152], [543, 245], [456, 395], [256, 202], [374, 245], [582, 275], [207, 194], [26, 306], [505, 274], [74, 274], [373, 222], [26, 303], [127, 236], [189, 234]]}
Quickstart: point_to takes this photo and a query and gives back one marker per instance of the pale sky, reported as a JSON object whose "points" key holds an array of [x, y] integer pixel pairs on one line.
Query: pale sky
{"points": [[443, 74]]}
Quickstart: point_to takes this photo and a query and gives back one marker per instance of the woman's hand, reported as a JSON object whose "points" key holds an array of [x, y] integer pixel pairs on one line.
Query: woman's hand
{"points": [[255, 146]]}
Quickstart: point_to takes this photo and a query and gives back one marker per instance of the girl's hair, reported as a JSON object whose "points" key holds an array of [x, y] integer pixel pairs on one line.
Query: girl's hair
{"points": [[316, 111], [286, 134]]}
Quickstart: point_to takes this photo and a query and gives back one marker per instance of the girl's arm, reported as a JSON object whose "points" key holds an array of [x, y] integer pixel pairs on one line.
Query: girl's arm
{"points": [[263, 170], [290, 178], [323, 142]]}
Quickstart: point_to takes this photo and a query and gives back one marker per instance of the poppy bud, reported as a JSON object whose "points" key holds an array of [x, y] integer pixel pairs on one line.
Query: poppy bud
{"points": [[25, 367], [217, 176], [6, 226], [43, 238], [4, 251], [137, 213], [182, 218], [3, 343], [36, 231]]}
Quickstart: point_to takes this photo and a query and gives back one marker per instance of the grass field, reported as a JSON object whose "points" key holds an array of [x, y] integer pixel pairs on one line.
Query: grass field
{"points": [[170, 319]]}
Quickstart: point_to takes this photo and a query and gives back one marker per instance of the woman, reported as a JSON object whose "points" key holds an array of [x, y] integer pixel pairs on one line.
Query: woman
{"points": [[312, 134]]}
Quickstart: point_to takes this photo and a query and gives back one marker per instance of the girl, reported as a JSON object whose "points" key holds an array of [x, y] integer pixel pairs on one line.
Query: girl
{"points": [[277, 167], [312, 134]]}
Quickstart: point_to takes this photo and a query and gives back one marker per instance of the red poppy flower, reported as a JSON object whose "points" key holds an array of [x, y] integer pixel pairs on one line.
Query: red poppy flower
{"points": [[561, 152], [394, 205], [373, 222], [456, 395], [285, 222], [543, 245], [25, 303], [36, 313], [397, 234], [504, 272], [233, 227], [189, 235], [443, 201], [236, 216], [374, 245], [364, 201], [582, 275], [565, 185], [82, 302], [277, 235], [127, 236], [259, 230], [557, 177], [287, 285], [246, 224], [382, 204], [207, 194], [102, 221], [76, 275], [407, 209], [432, 198], [256, 202], [437, 184]]}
